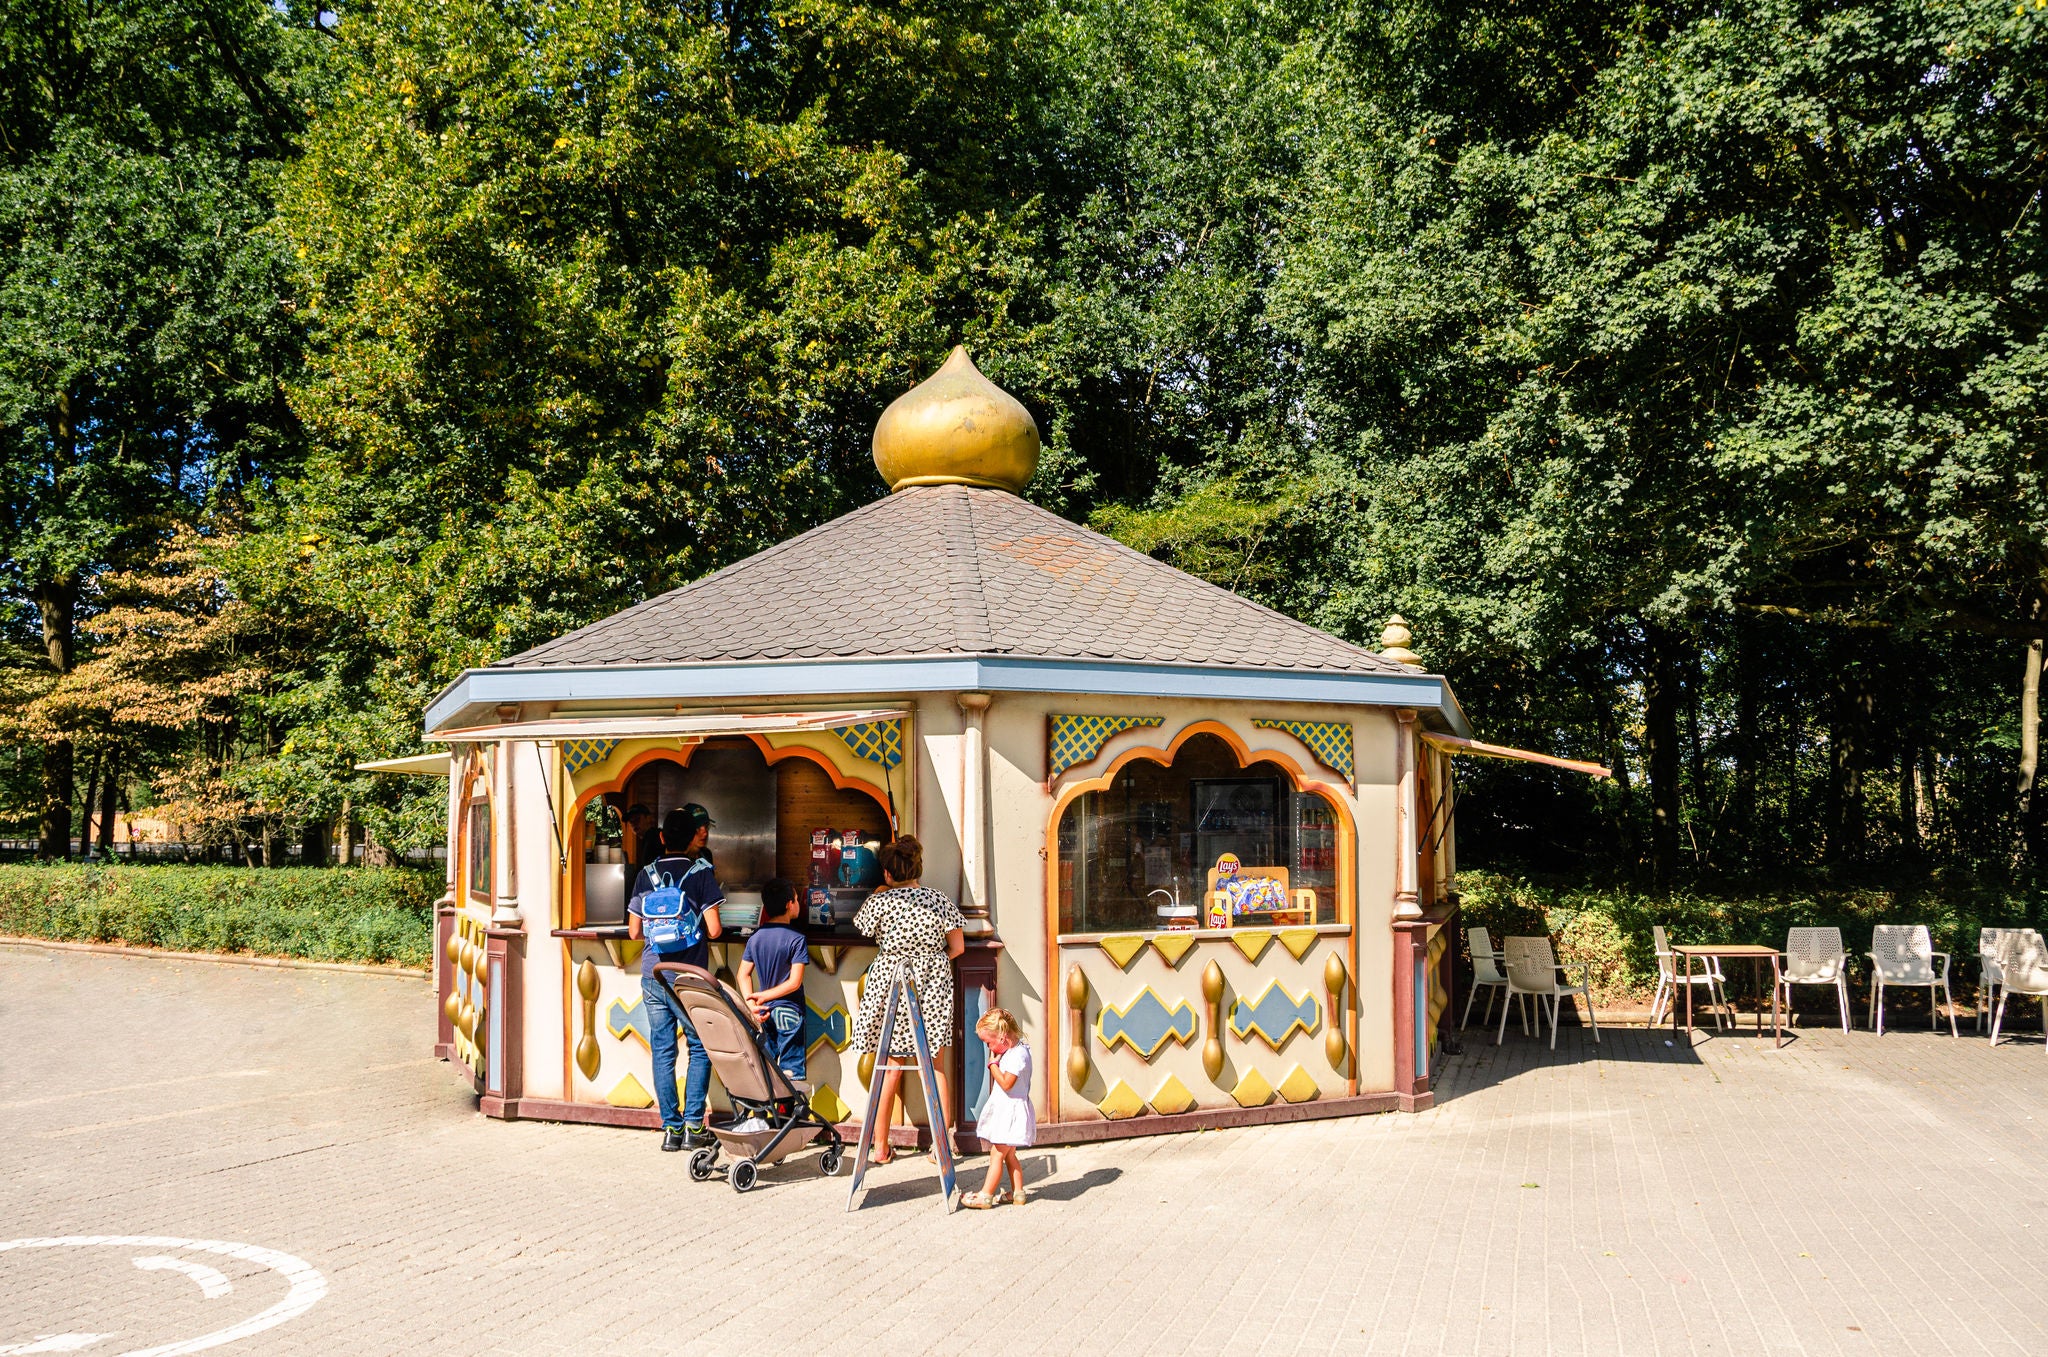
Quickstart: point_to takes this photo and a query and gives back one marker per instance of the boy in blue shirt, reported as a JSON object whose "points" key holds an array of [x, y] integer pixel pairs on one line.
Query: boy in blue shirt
{"points": [[686, 862], [772, 977]]}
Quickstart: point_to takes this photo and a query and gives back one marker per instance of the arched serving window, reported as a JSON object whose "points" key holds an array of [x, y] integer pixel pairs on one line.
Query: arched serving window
{"points": [[1154, 848], [477, 830]]}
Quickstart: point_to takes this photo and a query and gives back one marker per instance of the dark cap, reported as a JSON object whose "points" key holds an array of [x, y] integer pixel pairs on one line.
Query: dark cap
{"points": [[680, 825]]}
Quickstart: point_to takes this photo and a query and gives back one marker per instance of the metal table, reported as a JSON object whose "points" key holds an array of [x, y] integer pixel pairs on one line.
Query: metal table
{"points": [[1736, 951]]}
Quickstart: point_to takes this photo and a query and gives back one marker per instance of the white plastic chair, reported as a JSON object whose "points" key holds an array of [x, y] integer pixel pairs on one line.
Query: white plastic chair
{"points": [[1668, 981], [1533, 971], [1904, 955], [2023, 964], [1486, 974], [1991, 974], [1815, 956]]}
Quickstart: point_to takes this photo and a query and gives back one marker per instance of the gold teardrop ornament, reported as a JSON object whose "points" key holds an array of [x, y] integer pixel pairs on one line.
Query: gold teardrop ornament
{"points": [[956, 428]]}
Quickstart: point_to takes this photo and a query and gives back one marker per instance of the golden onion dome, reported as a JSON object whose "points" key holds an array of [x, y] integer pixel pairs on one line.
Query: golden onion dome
{"points": [[956, 427]]}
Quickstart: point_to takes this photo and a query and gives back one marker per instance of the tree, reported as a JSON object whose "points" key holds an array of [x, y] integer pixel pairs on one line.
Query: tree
{"points": [[144, 316], [609, 295]]}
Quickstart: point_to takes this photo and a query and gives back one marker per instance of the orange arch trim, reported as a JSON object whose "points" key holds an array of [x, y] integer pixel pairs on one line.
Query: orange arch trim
{"points": [[572, 889]]}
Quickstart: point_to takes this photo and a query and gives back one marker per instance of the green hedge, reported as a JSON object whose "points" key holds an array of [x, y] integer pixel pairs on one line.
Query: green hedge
{"points": [[371, 914], [1609, 927]]}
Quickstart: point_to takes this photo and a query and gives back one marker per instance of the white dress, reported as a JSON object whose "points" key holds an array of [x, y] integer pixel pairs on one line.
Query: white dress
{"points": [[1007, 1118]]}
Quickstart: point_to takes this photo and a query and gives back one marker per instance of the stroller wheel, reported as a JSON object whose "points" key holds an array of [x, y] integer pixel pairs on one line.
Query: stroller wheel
{"points": [[743, 1175], [702, 1163], [828, 1162]]}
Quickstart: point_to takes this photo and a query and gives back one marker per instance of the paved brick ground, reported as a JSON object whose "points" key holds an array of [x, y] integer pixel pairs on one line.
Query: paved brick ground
{"points": [[1846, 1194]]}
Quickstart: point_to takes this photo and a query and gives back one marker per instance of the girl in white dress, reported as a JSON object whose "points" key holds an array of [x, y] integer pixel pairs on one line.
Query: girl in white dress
{"points": [[1007, 1120]]}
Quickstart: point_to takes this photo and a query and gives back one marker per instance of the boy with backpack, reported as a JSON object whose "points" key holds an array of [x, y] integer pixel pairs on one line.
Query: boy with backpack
{"points": [[674, 910], [772, 977]]}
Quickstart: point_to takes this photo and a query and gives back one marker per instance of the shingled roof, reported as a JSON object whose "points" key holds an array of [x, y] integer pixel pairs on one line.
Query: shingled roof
{"points": [[953, 570]]}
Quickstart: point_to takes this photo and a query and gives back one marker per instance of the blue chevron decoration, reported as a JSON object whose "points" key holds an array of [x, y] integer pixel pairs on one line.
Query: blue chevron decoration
{"points": [[876, 741], [1275, 1016], [832, 1027], [1329, 741], [581, 754], [623, 1020], [1077, 739], [1145, 1024]]}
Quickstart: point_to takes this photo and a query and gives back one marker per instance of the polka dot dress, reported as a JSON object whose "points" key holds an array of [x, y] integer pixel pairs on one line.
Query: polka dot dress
{"points": [[909, 924]]}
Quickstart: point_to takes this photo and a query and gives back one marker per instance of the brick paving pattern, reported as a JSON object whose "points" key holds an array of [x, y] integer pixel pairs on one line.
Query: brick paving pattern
{"points": [[1847, 1194]]}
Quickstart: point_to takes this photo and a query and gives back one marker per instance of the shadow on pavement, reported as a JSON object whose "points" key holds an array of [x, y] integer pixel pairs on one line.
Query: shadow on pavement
{"points": [[1477, 1063]]}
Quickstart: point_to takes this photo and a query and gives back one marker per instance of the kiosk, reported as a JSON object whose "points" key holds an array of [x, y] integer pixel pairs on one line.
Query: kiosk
{"points": [[1205, 851]]}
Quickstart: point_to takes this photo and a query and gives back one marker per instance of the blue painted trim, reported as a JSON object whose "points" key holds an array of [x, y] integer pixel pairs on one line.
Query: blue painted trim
{"points": [[840, 678], [1421, 1018], [494, 1068]]}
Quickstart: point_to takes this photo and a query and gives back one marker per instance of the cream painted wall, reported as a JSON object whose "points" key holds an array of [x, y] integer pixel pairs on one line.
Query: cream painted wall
{"points": [[540, 882], [1019, 872]]}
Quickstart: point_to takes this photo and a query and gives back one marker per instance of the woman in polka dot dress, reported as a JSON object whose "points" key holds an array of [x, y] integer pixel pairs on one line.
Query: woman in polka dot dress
{"points": [[918, 931]]}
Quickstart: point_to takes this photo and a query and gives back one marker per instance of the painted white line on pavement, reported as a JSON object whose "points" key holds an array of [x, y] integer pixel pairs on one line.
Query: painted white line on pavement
{"points": [[211, 1281], [91, 1127], [307, 1285], [131, 1088]]}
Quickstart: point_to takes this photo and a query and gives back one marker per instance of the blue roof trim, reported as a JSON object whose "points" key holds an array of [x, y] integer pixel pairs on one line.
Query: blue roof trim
{"points": [[839, 678]]}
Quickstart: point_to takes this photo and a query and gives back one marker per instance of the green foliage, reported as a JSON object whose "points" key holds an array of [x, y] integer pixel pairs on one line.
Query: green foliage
{"points": [[371, 915]]}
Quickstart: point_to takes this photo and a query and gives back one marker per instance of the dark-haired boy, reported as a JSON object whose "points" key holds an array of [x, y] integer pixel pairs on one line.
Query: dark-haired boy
{"points": [[772, 977]]}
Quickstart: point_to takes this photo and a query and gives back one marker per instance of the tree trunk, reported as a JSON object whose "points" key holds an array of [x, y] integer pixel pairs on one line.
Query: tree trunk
{"points": [[57, 607], [2030, 751], [1742, 806], [313, 847], [1909, 798], [1850, 720], [110, 795], [1663, 692]]}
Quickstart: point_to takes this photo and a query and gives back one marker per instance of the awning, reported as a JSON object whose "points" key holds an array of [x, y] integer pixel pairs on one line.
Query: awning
{"points": [[1453, 744], [696, 726], [419, 765]]}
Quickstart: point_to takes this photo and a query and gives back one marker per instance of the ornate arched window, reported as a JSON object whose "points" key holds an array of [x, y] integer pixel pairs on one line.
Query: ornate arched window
{"points": [[1157, 843]]}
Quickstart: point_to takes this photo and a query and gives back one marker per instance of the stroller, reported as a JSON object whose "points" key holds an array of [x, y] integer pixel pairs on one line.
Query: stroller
{"points": [[755, 1083]]}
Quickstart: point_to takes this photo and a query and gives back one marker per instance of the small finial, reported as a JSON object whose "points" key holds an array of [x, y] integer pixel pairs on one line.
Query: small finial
{"points": [[1394, 642], [956, 428]]}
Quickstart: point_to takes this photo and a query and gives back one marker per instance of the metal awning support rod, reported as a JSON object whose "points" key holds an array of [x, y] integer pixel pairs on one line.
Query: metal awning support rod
{"points": [[1455, 744]]}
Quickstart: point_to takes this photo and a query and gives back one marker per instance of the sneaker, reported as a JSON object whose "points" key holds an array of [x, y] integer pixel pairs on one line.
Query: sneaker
{"points": [[673, 1138], [696, 1137]]}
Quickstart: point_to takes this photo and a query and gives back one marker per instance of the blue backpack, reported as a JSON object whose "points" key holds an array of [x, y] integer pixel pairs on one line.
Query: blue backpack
{"points": [[671, 923]]}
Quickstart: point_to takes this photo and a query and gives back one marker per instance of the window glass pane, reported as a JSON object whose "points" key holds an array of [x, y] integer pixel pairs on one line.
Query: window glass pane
{"points": [[1144, 853], [480, 848]]}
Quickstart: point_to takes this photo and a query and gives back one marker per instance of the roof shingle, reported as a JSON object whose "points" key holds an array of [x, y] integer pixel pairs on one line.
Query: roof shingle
{"points": [[952, 570]]}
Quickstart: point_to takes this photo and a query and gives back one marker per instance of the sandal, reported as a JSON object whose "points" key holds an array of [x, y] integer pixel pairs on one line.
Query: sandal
{"points": [[977, 1201]]}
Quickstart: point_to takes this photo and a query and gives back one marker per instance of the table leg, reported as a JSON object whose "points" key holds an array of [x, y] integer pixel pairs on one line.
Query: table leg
{"points": [[1777, 1030], [1688, 996]]}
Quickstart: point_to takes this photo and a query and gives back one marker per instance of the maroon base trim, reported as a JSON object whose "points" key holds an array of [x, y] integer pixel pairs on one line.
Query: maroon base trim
{"points": [[649, 1119], [1216, 1118], [966, 1142]]}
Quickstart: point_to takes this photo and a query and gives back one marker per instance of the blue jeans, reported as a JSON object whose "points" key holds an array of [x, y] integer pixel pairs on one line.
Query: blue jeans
{"points": [[783, 1034], [664, 1016]]}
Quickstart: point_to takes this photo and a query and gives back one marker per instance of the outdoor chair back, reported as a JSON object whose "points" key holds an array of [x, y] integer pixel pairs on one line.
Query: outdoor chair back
{"points": [[1532, 966], [2023, 970], [1485, 969], [2023, 961], [1903, 954], [1814, 956]]}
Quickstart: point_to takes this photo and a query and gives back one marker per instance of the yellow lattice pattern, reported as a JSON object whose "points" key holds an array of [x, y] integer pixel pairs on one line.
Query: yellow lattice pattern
{"points": [[1329, 741], [1077, 739], [581, 754], [876, 741]]}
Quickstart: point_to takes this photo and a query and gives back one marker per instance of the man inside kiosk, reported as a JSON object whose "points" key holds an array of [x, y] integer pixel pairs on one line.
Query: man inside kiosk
{"points": [[685, 865]]}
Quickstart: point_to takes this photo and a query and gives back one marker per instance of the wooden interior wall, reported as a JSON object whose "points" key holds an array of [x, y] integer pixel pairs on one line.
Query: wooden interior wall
{"points": [[805, 799]]}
